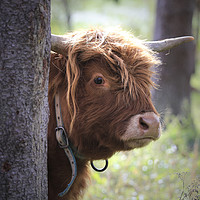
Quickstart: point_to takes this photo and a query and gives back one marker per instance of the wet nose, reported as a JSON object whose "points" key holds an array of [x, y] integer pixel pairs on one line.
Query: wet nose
{"points": [[149, 124]]}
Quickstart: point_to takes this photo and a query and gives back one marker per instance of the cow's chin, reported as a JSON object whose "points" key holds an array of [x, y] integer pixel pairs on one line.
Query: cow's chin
{"points": [[137, 143]]}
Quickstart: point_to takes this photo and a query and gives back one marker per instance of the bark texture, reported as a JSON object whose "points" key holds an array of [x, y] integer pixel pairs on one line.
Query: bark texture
{"points": [[174, 18], [24, 60]]}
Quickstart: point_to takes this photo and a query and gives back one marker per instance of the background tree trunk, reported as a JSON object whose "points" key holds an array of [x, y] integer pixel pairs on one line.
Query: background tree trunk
{"points": [[66, 4], [174, 18], [24, 61]]}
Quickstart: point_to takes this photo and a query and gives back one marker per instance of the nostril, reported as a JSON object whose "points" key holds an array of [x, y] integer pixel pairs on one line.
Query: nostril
{"points": [[143, 124]]}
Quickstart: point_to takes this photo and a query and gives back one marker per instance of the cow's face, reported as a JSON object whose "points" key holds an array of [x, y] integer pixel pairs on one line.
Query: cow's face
{"points": [[114, 113], [107, 105]]}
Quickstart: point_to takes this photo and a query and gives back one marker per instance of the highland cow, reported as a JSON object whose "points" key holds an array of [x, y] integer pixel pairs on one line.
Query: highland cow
{"points": [[100, 103]]}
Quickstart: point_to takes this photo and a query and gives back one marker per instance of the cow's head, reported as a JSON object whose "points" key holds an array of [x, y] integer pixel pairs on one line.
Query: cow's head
{"points": [[104, 78]]}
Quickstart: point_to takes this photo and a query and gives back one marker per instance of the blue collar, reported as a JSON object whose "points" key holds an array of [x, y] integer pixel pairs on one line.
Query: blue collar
{"points": [[63, 141]]}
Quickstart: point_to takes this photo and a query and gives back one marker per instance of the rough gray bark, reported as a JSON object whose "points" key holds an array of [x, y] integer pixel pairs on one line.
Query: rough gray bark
{"points": [[174, 18], [24, 60]]}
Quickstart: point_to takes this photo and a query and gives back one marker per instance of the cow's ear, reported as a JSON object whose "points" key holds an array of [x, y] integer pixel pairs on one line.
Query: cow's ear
{"points": [[163, 45]]}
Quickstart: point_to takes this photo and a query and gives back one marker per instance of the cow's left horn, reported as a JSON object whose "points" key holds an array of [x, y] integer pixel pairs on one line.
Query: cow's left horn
{"points": [[59, 43], [167, 44]]}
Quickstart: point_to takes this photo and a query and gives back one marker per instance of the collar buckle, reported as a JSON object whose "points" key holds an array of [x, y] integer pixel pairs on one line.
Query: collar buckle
{"points": [[61, 137]]}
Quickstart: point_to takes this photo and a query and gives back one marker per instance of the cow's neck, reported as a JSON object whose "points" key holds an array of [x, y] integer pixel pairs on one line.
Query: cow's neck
{"points": [[59, 168]]}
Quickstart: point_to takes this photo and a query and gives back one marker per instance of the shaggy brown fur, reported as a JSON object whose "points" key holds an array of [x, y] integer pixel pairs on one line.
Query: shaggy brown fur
{"points": [[95, 116]]}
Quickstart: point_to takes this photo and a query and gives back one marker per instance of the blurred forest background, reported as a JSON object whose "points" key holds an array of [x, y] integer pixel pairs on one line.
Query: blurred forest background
{"points": [[170, 167]]}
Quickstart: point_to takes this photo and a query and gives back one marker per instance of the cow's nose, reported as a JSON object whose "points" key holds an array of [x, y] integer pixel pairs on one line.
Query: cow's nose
{"points": [[149, 124]]}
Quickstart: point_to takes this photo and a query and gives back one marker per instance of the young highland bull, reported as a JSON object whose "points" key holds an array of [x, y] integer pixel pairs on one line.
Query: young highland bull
{"points": [[100, 103]]}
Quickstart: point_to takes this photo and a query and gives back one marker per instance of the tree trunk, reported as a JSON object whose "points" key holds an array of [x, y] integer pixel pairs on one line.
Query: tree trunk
{"points": [[24, 65], [66, 4], [174, 18]]}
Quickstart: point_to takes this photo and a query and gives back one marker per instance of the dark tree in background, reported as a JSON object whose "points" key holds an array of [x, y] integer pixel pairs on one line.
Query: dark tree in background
{"points": [[174, 18], [66, 4], [24, 59]]}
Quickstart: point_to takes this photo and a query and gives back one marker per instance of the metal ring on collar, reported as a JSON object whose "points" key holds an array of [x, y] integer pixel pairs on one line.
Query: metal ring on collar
{"points": [[99, 170]]}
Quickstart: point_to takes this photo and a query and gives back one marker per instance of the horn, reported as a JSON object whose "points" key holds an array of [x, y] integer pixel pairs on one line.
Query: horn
{"points": [[163, 45], [59, 43]]}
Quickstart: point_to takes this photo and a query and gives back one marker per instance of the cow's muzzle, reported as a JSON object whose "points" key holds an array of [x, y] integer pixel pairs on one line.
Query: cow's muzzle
{"points": [[149, 125], [142, 129]]}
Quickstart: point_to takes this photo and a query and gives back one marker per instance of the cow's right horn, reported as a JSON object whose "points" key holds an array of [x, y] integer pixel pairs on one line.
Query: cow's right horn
{"points": [[167, 44], [59, 43]]}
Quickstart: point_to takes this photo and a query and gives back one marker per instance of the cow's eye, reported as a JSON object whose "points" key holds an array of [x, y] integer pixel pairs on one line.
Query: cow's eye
{"points": [[99, 80]]}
